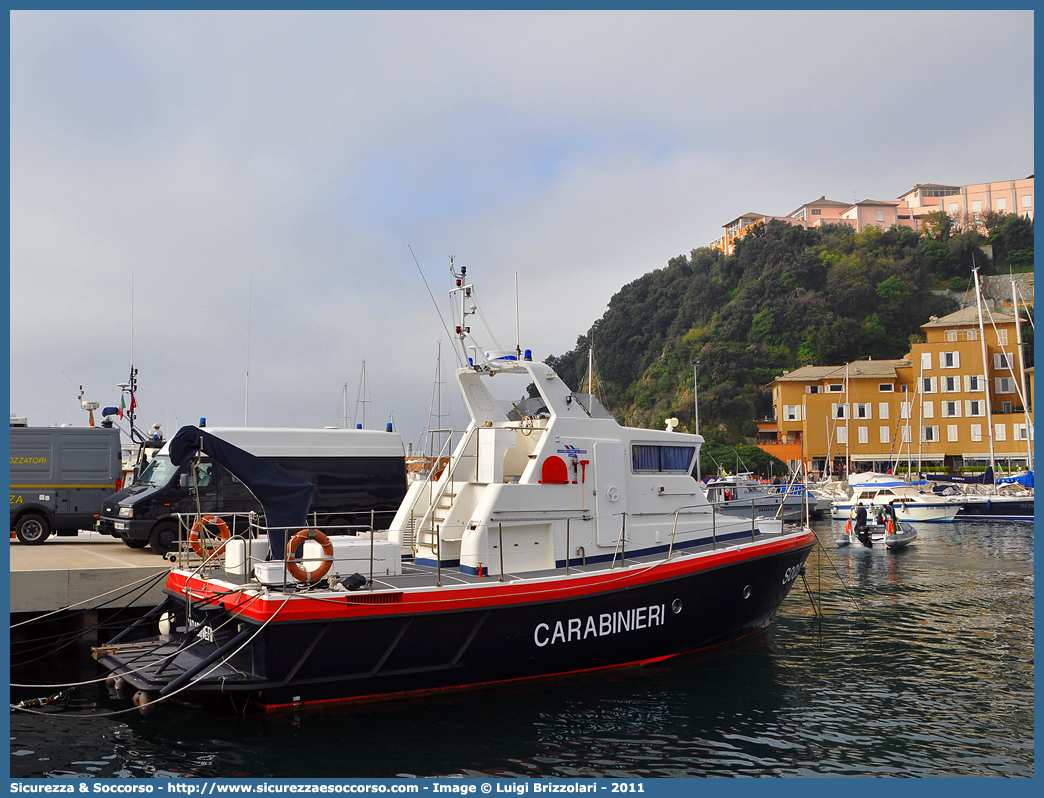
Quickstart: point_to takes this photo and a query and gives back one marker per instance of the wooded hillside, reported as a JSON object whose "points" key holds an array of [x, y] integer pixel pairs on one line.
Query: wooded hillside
{"points": [[787, 297]]}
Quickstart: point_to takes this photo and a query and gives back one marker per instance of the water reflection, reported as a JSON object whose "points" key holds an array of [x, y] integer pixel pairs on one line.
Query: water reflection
{"points": [[922, 665]]}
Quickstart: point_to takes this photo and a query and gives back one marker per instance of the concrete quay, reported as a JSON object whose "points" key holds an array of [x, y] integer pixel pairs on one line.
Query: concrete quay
{"points": [[67, 571]]}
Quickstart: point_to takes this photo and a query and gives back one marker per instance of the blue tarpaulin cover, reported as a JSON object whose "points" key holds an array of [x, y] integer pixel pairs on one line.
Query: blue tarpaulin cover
{"points": [[1026, 480], [284, 497]]}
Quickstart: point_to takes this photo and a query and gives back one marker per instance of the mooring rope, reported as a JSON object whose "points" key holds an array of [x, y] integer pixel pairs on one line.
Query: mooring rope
{"points": [[186, 686]]}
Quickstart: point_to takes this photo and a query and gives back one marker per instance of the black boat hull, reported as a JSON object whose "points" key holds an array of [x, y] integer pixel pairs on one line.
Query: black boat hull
{"points": [[474, 642], [997, 509]]}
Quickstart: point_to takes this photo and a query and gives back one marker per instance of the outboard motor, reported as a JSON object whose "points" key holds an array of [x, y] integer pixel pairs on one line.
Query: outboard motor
{"points": [[862, 531]]}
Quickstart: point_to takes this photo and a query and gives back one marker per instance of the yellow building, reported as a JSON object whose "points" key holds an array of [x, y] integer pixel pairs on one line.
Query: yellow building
{"points": [[941, 406]]}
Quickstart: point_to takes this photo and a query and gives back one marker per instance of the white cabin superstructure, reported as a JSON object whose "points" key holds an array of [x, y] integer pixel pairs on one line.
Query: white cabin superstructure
{"points": [[526, 491]]}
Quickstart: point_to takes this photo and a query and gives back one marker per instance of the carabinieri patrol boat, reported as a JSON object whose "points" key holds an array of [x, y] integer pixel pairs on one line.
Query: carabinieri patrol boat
{"points": [[554, 541]]}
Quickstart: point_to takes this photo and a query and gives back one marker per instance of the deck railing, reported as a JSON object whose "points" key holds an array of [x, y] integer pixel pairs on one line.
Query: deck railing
{"points": [[215, 546]]}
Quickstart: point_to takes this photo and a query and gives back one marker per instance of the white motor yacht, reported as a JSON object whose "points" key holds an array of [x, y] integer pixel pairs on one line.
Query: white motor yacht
{"points": [[872, 488]]}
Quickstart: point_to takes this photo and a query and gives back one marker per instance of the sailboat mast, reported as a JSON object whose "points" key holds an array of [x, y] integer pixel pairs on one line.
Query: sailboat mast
{"points": [[909, 415], [1022, 372], [985, 365], [590, 375], [920, 421], [848, 443], [696, 414], [435, 409], [361, 415], [829, 466]]}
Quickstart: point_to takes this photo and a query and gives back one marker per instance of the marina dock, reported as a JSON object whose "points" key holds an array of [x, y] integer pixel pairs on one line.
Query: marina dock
{"points": [[89, 568]]}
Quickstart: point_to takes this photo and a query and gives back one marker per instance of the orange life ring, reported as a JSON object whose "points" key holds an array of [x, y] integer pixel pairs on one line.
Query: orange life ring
{"points": [[891, 527], [299, 573], [848, 527], [198, 544]]}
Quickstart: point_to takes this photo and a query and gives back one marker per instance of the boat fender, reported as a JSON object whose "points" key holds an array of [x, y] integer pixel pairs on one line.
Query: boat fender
{"points": [[198, 546], [891, 527], [299, 573], [848, 527]]}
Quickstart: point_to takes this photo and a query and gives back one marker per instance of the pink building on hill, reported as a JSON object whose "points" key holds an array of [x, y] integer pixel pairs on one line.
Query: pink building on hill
{"points": [[964, 204]]}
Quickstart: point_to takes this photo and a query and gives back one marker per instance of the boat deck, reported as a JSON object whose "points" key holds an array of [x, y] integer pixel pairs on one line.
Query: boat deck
{"points": [[418, 577]]}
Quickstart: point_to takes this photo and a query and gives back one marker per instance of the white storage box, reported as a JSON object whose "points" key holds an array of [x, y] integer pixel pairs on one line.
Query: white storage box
{"points": [[236, 554], [271, 573], [351, 556]]}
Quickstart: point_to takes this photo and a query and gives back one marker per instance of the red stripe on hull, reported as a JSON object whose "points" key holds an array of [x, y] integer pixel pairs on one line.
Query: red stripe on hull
{"points": [[474, 596]]}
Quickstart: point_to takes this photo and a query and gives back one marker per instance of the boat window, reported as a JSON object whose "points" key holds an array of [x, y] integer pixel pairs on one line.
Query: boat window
{"points": [[647, 458]]}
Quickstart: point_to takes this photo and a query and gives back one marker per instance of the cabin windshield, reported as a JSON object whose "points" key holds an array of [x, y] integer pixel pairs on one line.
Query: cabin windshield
{"points": [[158, 472]]}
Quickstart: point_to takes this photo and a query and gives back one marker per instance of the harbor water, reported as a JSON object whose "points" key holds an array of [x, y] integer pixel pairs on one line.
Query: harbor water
{"points": [[920, 664]]}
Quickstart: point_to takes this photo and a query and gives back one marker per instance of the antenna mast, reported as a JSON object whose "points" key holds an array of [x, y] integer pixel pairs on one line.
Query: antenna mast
{"points": [[250, 305], [462, 330], [518, 336], [132, 321], [131, 386]]}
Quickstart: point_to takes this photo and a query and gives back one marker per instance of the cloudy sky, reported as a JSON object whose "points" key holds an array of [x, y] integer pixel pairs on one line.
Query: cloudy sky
{"points": [[259, 179]]}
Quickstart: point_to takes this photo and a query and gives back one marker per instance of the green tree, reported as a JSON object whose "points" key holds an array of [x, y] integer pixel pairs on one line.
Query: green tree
{"points": [[938, 225], [1011, 237], [786, 297]]}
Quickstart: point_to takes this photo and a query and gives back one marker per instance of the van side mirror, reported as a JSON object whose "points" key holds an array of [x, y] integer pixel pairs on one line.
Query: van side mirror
{"points": [[183, 481]]}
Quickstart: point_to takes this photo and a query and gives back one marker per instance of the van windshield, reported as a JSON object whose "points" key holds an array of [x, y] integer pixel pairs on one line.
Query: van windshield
{"points": [[158, 472]]}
